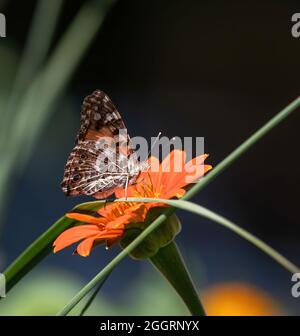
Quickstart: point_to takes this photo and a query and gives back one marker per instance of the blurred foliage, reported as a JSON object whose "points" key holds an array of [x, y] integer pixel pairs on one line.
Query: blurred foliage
{"points": [[35, 90], [9, 61], [45, 292]]}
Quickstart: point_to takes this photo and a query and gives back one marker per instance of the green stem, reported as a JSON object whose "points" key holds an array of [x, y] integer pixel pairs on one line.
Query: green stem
{"points": [[169, 262], [93, 297], [206, 213]]}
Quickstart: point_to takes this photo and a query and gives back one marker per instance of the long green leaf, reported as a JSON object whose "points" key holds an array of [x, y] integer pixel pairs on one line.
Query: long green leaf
{"points": [[43, 245], [206, 213]]}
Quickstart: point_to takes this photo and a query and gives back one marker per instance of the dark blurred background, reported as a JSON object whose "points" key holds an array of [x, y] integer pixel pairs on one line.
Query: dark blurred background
{"points": [[186, 68]]}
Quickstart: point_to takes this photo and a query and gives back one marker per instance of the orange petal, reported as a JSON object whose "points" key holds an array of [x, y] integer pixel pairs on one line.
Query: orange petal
{"points": [[119, 222], [121, 192], [85, 247], [173, 168], [110, 234], [195, 167], [146, 178], [198, 160], [85, 218], [153, 173], [174, 162], [113, 210], [198, 174], [193, 170], [178, 193], [207, 168], [154, 164], [73, 235]]}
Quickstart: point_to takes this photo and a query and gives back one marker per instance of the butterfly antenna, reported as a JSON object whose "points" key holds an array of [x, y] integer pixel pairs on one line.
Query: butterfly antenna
{"points": [[154, 143]]}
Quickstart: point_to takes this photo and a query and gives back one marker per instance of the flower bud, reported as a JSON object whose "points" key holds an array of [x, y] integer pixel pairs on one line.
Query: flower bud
{"points": [[160, 237]]}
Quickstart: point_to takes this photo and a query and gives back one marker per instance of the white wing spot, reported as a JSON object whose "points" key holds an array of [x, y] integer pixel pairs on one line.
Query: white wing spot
{"points": [[109, 117], [97, 116]]}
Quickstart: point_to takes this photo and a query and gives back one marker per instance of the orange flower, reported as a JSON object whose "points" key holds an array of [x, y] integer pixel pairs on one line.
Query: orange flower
{"points": [[167, 179], [108, 228], [162, 180], [239, 299]]}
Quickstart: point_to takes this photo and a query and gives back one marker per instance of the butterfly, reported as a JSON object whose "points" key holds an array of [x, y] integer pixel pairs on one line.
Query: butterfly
{"points": [[102, 159]]}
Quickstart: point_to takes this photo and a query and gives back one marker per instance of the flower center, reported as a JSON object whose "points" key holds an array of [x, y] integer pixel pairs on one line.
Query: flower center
{"points": [[147, 192]]}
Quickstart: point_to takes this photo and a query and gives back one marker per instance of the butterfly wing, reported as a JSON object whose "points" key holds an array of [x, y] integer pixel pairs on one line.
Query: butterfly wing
{"points": [[91, 168], [99, 118]]}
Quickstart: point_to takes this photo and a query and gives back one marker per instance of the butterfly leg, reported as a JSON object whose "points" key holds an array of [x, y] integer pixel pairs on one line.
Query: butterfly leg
{"points": [[126, 186], [105, 202]]}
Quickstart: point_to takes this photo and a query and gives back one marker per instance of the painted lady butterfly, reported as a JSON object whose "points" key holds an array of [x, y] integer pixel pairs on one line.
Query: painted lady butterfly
{"points": [[101, 160]]}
